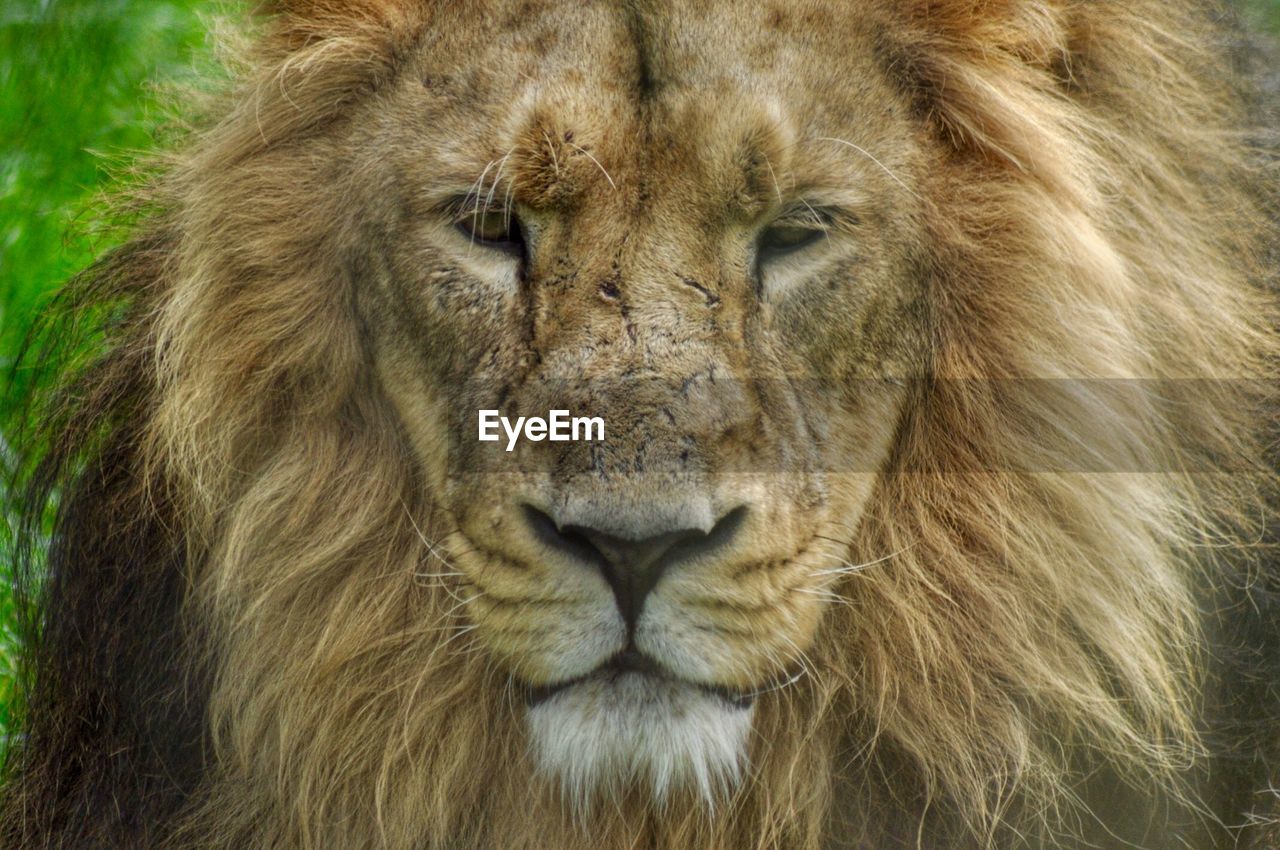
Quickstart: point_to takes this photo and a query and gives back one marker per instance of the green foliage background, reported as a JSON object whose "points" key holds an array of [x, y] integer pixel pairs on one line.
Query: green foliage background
{"points": [[79, 96], [78, 99]]}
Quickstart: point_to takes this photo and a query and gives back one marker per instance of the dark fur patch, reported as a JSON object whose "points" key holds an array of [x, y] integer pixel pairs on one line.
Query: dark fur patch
{"points": [[113, 743]]}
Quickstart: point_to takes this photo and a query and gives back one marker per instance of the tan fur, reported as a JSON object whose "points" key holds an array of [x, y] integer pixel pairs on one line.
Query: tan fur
{"points": [[1049, 190]]}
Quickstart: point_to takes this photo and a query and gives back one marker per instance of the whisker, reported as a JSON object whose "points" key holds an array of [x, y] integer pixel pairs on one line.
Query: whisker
{"points": [[506, 204], [779, 685], [868, 155], [849, 568], [438, 575], [497, 178], [555, 160], [431, 547], [825, 595], [438, 579], [588, 155], [826, 231], [774, 177], [461, 603], [802, 658], [473, 197], [451, 639], [458, 628]]}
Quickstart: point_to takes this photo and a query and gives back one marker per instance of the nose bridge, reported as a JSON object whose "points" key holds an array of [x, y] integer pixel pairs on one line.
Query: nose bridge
{"points": [[654, 294], [636, 325], [648, 344], [638, 300], [632, 248], [668, 413]]}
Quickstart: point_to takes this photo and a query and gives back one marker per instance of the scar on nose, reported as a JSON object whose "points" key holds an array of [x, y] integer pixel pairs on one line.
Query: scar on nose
{"points": [[609, 288], [713, 300]]}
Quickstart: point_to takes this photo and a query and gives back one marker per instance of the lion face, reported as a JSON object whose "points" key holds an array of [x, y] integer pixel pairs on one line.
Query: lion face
{"points": [[299, 603], [700, 230]]}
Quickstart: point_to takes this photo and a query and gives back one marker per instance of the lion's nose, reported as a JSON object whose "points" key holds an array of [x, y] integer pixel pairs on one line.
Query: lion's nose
{"points": [[632, 567]]}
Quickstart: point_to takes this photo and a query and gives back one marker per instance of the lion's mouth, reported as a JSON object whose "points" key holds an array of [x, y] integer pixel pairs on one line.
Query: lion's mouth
{"points": [[633, 662]]}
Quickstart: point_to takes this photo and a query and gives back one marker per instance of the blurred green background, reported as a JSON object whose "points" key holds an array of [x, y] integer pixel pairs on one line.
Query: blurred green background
{"points": [[81, 93]]}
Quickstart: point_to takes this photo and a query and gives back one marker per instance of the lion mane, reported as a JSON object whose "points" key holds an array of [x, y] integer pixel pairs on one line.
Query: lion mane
{"points": [[235, 639]]}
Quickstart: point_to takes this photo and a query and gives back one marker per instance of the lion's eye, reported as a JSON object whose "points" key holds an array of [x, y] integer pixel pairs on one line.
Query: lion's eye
{"points": [[787, 238], [498, 229], [792, 234]]}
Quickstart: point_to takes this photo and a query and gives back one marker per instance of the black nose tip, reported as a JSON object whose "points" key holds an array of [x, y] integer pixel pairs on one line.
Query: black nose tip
{"points": [[633, 567]]}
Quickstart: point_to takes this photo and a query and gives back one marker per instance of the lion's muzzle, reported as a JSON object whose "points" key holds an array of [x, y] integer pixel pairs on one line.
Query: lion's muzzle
{"points": [[633, 563]]}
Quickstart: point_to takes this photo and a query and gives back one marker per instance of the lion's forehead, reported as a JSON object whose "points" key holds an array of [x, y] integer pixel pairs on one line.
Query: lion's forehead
{"points": [[653, 45], [725, 102]]}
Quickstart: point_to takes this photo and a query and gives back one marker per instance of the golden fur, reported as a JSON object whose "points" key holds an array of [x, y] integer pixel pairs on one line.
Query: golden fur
{"points": [[1017, 639]]}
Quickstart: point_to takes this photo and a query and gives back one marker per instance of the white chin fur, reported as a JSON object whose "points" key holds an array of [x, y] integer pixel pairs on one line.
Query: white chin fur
{"points": [[604, 733]]}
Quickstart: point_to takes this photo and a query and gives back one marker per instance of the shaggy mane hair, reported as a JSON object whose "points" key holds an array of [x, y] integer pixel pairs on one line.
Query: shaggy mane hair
{"points": [[232, 641]]}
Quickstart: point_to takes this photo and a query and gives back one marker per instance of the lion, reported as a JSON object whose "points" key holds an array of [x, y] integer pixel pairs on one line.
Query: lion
{"points": [[934, 344]]}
